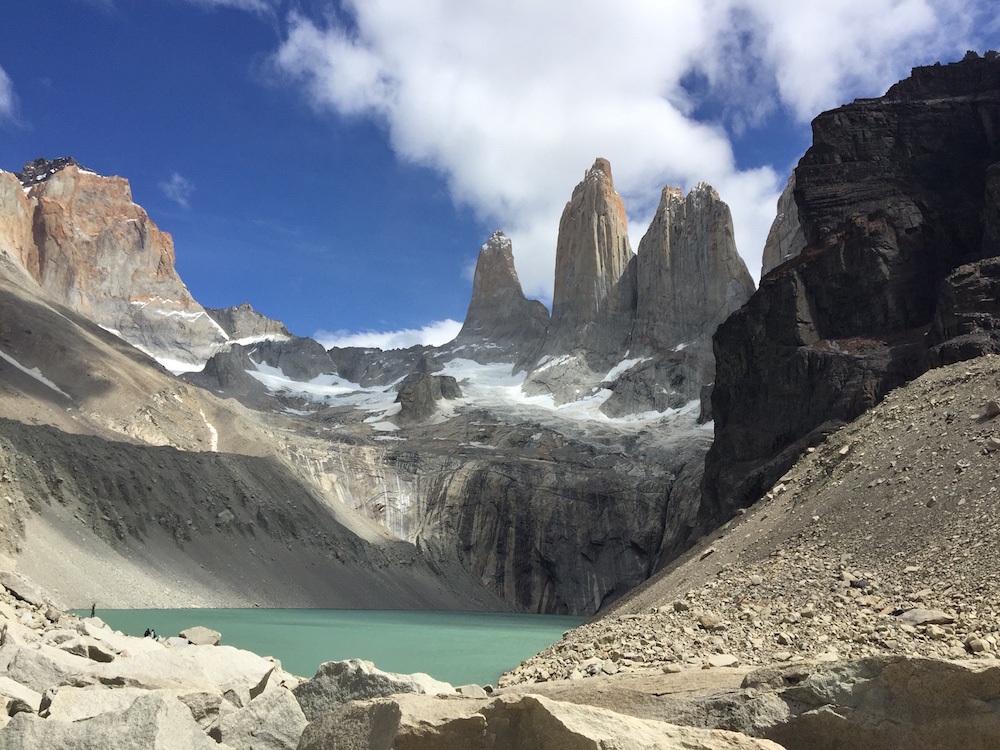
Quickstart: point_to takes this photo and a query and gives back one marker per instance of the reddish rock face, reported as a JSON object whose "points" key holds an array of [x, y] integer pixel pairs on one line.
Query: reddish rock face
{"points": [[893, 196], [93, 249]]}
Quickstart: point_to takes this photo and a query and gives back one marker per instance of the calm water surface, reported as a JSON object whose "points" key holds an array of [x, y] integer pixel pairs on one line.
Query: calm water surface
{"points": [[457, 647]]}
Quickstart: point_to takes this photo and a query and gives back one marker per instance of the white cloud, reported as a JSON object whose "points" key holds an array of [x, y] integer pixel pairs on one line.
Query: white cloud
{"points": [[511, 100], [8, 100], [433, 334], [264, 7], [178, 189]]}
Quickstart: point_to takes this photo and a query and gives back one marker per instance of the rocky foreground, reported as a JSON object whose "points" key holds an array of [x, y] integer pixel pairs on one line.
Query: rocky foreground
{"points": [[74, 683]]}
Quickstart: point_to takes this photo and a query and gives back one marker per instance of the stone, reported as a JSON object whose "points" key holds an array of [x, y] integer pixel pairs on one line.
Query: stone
{"points": [[337, 682], [201, 636], [509, 721], [23, 589], [152, 722], [237, 674], [723, 660], [271, 721], [474, 691], [918, 616]]}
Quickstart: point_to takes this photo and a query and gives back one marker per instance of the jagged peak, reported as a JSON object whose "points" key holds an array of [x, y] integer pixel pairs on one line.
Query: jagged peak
{"points": [[42, 169], [600, 170], [497, 241]]}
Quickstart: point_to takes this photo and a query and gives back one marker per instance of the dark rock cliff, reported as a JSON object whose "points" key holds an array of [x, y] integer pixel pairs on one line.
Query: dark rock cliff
{"points": [[894, 202]]}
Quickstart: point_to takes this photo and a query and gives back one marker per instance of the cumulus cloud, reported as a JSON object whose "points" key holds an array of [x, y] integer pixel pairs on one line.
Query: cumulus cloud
{"points": [[178, 189], [511, 100], [8, 100], [433, 334]]}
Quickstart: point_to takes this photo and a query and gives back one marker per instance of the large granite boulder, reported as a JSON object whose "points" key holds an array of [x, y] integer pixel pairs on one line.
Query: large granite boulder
{"points": [[151, 722], [527, 721], [891, 199], [337, 682], [272, 721]]}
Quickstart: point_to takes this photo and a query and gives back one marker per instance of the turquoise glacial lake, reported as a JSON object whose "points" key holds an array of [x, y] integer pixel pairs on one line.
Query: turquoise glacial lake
{"points": [[457, 647]]}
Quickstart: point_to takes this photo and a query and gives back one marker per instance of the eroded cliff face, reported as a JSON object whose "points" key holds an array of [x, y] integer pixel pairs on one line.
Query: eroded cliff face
{"points": [[93, 249], [892, 197], [243, 322]]}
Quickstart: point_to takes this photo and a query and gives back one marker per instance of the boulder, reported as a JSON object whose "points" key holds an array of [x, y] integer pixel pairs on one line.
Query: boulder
{"points": [[337, 682], [201, 636], [528, 721], [23, 589], [237, 674], [271, 721], [151, 722]]}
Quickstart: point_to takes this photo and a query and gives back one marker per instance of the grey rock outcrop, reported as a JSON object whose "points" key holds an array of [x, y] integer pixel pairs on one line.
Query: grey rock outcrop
{"points": [[338, 682], [419, 393], [272, 721], [243, 322], [501, 323], [592, 307], [528, 721], [785, 239], [689, 276]]}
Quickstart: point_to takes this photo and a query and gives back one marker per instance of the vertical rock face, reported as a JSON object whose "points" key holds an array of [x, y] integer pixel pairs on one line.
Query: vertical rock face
{"points": [[689, 275], [785, 239], [16, 211], [590, 308], [892, 198], [500, 317], [99, 253]]}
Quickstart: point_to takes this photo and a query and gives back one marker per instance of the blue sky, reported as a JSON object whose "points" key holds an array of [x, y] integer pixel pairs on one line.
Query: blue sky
{"points": [[338, 165]]}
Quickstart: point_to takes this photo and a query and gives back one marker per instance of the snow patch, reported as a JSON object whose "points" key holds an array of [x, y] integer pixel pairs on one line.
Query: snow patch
{"points": [[624, 366], [680, 347], [35, 373], [212, 431]]}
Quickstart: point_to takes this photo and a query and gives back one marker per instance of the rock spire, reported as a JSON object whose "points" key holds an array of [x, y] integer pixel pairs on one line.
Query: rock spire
{"points": [[589, 305], [689, 276], [499, 314]]}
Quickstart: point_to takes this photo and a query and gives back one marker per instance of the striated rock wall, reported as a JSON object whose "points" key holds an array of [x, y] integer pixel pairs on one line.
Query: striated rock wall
{"points": [[891, 198]]}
